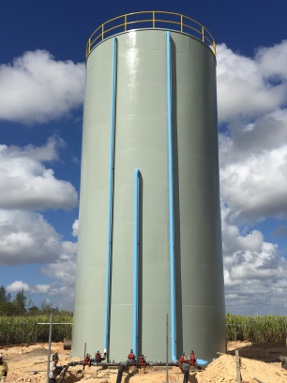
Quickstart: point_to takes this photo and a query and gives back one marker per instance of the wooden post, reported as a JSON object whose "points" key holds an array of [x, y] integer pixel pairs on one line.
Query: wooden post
{"points": [[85, 351], [49, 347], [238, 375], [166, 348]]}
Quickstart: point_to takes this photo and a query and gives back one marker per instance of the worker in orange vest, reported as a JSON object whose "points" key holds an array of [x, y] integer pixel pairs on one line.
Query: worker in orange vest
{"points": [[99, 358], [182, 359], [142, 361], [87, 360], [131, 357], [192, 360]]}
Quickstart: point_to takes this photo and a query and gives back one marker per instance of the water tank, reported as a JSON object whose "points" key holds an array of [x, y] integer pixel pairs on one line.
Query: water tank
{"points": [[149, 267]]}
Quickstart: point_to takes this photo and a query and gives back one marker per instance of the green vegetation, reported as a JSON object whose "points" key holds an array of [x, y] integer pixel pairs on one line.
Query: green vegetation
{"points": [[267, 328], [27, 323], [32, 329], [24, 323], [19, 306]]}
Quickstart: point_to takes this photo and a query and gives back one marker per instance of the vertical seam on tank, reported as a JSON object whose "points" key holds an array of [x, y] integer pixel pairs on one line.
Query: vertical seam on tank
{"points": [[136, 260], [111, 196], [171, 197]]}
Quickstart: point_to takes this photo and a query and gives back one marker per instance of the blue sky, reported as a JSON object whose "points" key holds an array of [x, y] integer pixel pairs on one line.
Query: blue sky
{"points": [[42, 71]]}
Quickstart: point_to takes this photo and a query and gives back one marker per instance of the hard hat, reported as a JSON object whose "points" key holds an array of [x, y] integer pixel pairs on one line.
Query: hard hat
{"points": [[1, 356], [55, 356]]}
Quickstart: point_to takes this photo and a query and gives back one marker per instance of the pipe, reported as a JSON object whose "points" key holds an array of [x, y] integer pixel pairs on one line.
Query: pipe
{"points": [[136, 260], [63, 373], [49, 348], [93, 362], [171, 200], [123, 366], [185, 370], [111, 197]]}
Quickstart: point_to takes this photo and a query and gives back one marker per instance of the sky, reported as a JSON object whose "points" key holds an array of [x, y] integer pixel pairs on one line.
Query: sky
{"points": [[42, 87]]}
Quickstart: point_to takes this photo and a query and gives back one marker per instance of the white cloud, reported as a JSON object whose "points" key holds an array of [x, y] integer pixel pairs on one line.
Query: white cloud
{"points": [[75, 228], [37, 88], [254, 272], [26, 237], [272, 62], [246, 86], [252, 95], [41, 289], [47, 152], [26, 183], [254, 167], [61, 271], [64, 267], [253, 149], [17, 286]]}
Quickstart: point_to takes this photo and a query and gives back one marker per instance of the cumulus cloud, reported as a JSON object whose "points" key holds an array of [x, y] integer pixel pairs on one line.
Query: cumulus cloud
{"points": [[26, 237], [26, 183], [254, 271], [37, 88], [17, 286], [252, 95], [253, 167], [246, 86], [253, 149], [61, 271], [75, 228]]}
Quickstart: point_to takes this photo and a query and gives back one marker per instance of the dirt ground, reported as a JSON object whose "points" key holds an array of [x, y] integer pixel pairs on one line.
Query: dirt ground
{"points": [[258, 363]]}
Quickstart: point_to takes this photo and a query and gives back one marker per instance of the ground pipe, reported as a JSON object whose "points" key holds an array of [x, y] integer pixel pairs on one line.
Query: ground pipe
{"points": [[63, 373], [123, 366], [93, 362], [185, 370]]}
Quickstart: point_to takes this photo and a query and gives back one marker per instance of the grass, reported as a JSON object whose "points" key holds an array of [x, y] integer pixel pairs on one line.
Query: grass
{"points": [[28, 329]]}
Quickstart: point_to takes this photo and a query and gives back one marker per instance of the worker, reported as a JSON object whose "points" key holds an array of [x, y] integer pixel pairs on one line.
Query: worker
{"points": [[99, 358], [54, 369], [192, 360], [131, 357], [87, 360], [3, 369], [142, 361], [182, 359]]}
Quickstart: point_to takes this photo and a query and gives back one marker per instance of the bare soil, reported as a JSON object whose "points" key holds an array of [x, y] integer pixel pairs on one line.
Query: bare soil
{"points": [[258, 363]]}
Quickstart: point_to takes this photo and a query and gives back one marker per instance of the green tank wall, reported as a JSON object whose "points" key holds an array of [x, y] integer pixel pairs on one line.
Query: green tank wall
{"points": [[141, 141]]}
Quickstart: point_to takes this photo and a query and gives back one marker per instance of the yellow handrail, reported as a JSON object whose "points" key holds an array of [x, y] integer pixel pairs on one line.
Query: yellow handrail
{"points": [[151, 20]]}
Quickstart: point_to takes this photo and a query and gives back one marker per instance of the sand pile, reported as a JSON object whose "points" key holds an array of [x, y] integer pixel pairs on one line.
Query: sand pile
{"points": [[29, 364]]}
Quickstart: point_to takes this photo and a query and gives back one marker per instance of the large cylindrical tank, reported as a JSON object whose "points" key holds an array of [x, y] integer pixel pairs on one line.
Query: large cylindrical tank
{"points": [[149, 268]]}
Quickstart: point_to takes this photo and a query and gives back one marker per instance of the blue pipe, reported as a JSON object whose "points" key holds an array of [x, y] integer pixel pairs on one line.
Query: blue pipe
{"points": [[171, 200], [136, 260], [110, 197]]}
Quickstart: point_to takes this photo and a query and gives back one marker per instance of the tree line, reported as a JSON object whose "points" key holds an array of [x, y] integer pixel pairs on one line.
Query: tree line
{"points": [[20, 305]]}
